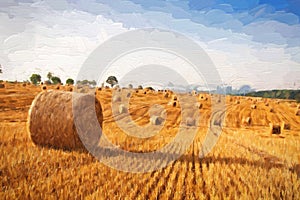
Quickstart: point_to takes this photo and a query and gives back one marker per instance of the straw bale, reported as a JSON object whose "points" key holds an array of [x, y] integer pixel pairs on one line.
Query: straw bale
{"points": [[190, 121], [122, 109], [275, 129], [52, 117], [156, 120]]}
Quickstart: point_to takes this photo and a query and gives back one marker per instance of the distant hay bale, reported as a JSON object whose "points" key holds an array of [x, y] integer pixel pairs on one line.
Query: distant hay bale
{"points": [[57, 87], [128, 94], [166, 95], [267, 104], [99, 89], [24, 84], [271, 110], [199, 105], [2, 85], [275, 129], [297, 112], [190, 122], [145, 92], [285, 126], [247, 121], [122, 109], [253, 106], [53, 122], [194, 93], [298, 106], [156, 120], [116, 98], [174, 98], [237, 102], [136, 91]]}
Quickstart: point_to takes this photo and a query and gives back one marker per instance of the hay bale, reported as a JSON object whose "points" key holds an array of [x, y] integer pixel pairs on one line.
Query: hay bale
{"points": [[122, 109], [285, 126], [156, 120], [174, 98], [55, 117], [57, 87], [174, 104], [99, 89], [271, 110], [267, 104], [194, 93], [128, 94], [24, 84], [2, 85], [145, 92], [190, 122], [237, 102], [275, 129], [199, 105], [298, 106], [247, 121], [44, 87], [116, 98], [297, 112], [253, 106], [166, 95]]}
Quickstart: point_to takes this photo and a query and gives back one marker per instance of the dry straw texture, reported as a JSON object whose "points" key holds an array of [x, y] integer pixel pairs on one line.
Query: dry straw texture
{"points": [[52, 117]]}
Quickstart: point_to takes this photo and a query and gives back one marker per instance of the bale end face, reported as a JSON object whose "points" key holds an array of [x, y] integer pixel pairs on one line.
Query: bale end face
{"points": [[298, 112]]}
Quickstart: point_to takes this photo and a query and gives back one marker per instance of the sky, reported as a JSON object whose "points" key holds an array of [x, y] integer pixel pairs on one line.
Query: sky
{"points": [[253, 42]]}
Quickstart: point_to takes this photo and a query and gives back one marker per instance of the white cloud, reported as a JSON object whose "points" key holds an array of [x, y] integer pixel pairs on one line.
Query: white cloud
{"points": [[58, 36]]}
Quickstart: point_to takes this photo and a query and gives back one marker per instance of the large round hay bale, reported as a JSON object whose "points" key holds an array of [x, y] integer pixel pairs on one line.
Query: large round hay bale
{"points": [[2, 85], [56, 118]]}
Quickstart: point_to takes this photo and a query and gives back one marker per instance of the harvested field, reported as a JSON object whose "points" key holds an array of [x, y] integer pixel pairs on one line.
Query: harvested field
{"points": [[247, 162]]}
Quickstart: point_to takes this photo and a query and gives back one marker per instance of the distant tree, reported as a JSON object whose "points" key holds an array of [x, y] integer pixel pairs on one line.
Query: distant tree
{"points": [[55, 80], [130, 86], [70, 81], [35, 79], [93, 83], [112, 80], [0, 69], [49, 76]]}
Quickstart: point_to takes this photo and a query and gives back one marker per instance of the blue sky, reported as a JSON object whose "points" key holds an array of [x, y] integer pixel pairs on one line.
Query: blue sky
{"points": [[250, 41]]}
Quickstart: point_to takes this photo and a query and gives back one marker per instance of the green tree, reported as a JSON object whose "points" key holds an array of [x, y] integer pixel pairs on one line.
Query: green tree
{"points": [[35, 79], [49, 76], [55, 80], [70, 81], [112, 80]]}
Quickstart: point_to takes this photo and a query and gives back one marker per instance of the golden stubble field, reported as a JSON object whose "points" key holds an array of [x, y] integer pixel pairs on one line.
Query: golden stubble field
{"points": [[246, 163]]}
